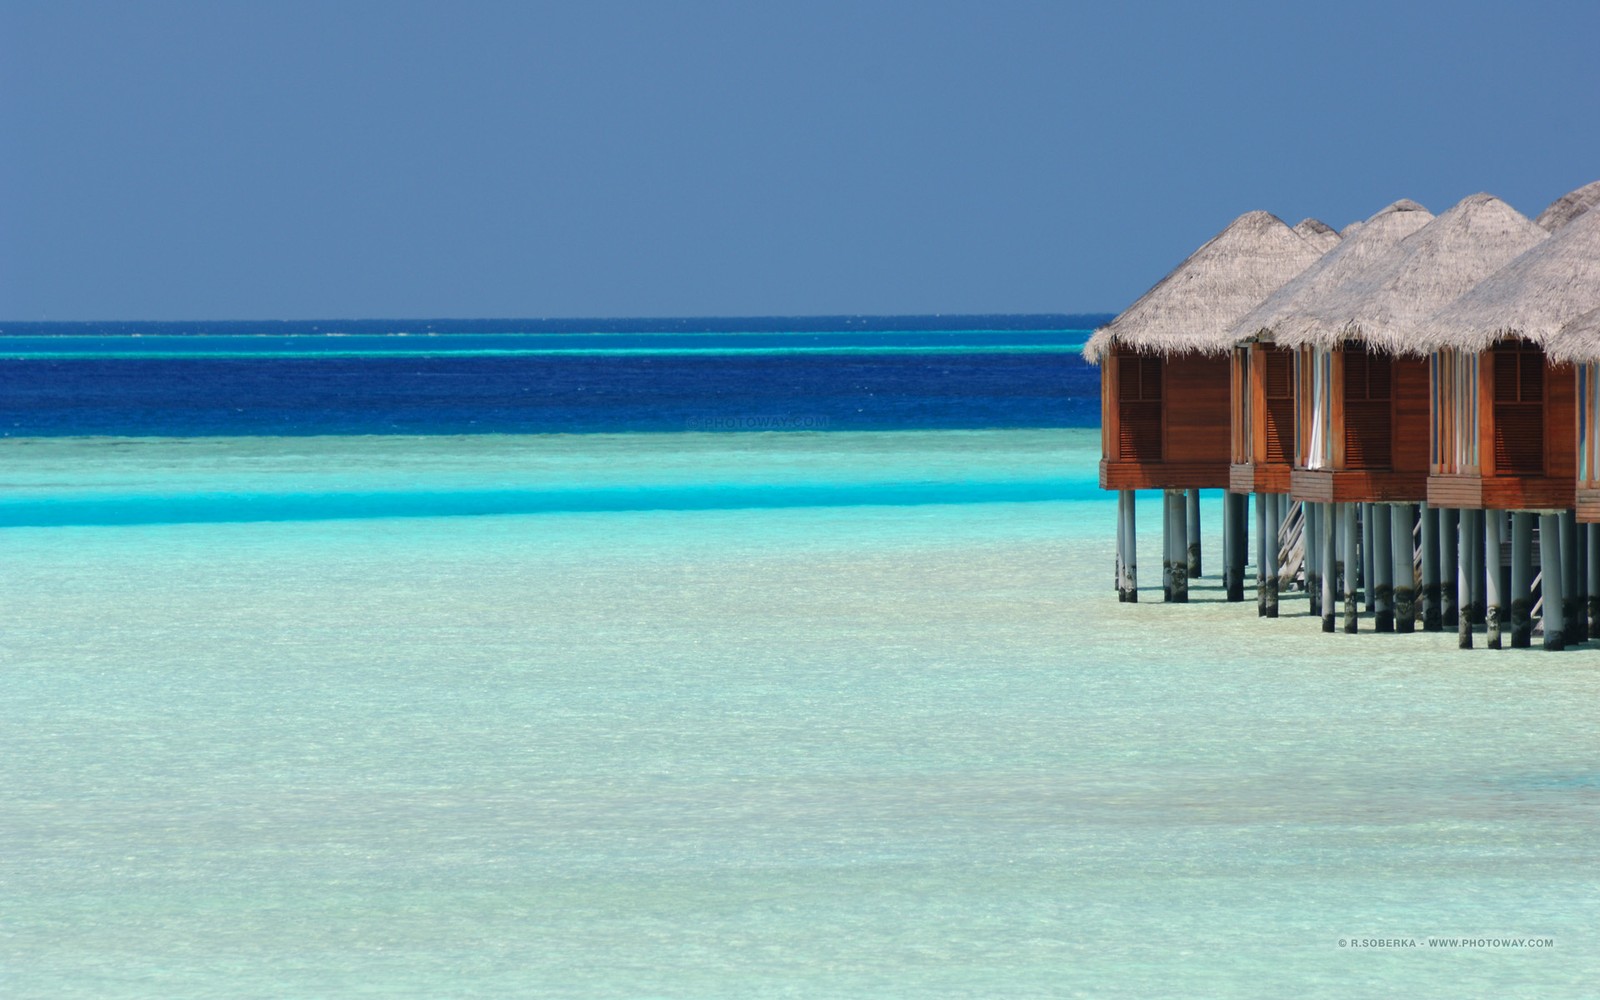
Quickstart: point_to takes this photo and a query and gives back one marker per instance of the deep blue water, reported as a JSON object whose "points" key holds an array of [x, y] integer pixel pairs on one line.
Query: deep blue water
{"points": [[670, 324], [231, 382]]}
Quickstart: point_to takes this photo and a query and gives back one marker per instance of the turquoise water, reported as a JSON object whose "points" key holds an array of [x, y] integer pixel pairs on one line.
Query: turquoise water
{"points": [[817, 748]]}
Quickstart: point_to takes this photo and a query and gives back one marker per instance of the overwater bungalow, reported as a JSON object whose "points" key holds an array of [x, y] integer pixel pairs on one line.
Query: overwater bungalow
{"points": [[1450, 364], [1385, 312], [1353, 405], [1165, 391], [1513, 413], [1262, 400]]}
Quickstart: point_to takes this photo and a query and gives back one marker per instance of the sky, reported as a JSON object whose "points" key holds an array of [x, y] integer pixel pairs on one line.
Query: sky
{"points": [[169, 160]]}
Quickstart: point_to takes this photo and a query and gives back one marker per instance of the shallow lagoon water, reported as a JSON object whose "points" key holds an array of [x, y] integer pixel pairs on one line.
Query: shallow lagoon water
{"points": [[830, 750]]}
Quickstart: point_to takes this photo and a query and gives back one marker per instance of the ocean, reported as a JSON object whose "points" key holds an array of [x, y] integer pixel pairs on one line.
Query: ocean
{"points": [[710, 667]]}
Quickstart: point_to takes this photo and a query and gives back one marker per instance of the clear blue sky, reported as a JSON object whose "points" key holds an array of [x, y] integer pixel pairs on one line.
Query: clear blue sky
{"points": [[189, 160]]}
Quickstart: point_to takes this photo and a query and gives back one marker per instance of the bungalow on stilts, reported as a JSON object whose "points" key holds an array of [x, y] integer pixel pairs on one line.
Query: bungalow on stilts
{"points": [[1165, 393], [1357, 411], [1514, 404], [1263, 421]]}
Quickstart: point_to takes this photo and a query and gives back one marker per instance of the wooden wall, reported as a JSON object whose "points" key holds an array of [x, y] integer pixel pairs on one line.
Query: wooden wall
{"points": [[1193, 423], [1379, 423], [1197, 412], [1499, 484]]}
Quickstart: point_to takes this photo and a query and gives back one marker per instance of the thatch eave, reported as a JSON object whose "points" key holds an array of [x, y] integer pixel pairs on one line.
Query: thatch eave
{"points": [[1193, 308], [1288, 316], [1578, 342], [1389, 307], [1534, 296]]}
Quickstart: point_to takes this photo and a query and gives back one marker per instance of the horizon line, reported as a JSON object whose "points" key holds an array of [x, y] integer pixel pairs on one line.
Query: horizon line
{"points": [[660, 317]]}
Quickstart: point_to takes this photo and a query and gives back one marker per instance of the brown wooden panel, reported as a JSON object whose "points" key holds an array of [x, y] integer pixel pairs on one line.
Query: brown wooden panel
{"points": [[1505, 375], [1367, 434], [1139, 376], [1464, 491], [1355, 373], [1163, 475], [1255, 477], [1588, 504], [1561, 422], [1139, 431], [1278, 431], [1358, 485], [1238, 405], [1409, 435], [1197, 409], [1278, 372], [1501, 492], [1518, 437], [1529, 493], [1379, 486], [1242, 477], [1311, 485], [1109, 430]]}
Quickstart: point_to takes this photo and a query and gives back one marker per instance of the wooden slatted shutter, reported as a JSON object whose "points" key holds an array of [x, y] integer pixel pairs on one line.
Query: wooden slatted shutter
{"points": [[1368, 379], [1139, 409], [1518, 408], [1279, 391]]}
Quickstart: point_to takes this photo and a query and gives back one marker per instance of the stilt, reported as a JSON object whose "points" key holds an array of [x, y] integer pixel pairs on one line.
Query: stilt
{"points": [[1352, 593], [1551, 573], [1403, 557], [1430, 569], [1238, 548], [1241, 540], [1122, 543], [1310, 552], [1130, 565], [1575, 626], [1494, 599], [1324, 566], [1229, 521], [1128, 533], [1167, 544], [1312, 533], [1180, 548], [1501, 566], [1274, 504], [1334, 512], [1261, 555], [1581, 569], [1449, 565], [1521, 580], [1591, 534], [1466, 569], [1327, 519], [1382, 569], [1367, 568], [1472, 599], [1192, 532]]}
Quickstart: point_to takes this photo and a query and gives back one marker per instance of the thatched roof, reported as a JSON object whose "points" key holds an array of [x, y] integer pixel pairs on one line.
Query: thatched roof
{"points": [[1351, 229], [1194, 307], [1390, 304], [1569, 206], [1318, 233], [1531, 297], [1363, 245], [1579, 340]]}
